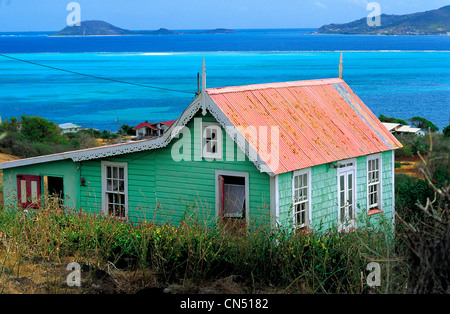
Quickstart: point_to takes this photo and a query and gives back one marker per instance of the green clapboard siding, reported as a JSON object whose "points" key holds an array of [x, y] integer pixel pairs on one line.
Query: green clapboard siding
{"points": [[166, 184], [163, 189]]}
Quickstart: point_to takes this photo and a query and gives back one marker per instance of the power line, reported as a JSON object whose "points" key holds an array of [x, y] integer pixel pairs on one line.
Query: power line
{"points": [[94, 76]]}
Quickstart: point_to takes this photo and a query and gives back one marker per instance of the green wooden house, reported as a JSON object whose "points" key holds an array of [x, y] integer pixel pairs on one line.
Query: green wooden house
{"points": [[293, 154]]}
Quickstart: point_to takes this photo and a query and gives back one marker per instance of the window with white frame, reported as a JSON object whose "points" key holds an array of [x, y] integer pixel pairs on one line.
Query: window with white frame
{"points": [[211, 140], [301, 198], [115, 189], [374, 182]]}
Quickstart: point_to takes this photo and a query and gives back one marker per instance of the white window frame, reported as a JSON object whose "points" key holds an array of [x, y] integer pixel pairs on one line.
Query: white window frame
{"points": [[104, 165], [307, 223], [346, 166], [218, 154], [379, 202], [244, 175]]}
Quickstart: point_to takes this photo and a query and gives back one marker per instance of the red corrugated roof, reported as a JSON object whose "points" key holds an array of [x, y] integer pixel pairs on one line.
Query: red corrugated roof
{"points": [[168, 123], [145, 124], [152, 125], [320, 121]]}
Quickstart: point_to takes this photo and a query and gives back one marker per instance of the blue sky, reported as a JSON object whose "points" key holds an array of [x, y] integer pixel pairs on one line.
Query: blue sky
{"points": [[50, 15]]}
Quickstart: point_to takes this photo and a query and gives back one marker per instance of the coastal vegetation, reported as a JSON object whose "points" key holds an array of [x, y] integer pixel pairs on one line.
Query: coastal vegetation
{"points": [[117, 256], [383, 118], [422, 123], [32, 136]]}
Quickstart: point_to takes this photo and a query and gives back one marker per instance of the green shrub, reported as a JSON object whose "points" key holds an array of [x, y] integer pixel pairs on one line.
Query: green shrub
{"points": [[315, 263], [446, 131]]}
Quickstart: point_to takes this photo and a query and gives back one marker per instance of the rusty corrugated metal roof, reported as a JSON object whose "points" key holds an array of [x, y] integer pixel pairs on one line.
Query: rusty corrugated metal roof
{"points": [[320, 121]]}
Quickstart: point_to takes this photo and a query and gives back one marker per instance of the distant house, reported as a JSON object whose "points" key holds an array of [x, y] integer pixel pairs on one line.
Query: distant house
{"points": [[392, 127], [397, 128], [406, 129], [297, 155], [69, 128], [146, 129]]}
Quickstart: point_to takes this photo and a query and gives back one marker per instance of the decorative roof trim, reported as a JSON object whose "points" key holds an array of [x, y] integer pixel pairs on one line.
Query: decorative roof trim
{"points": [[237, 137], [113, 150]]}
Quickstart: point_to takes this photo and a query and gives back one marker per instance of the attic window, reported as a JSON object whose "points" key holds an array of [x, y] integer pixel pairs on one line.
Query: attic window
{"points": [[211, 141]]}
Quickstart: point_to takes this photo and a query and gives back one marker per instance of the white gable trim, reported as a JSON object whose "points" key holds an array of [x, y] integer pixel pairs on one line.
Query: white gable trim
{"points": [[159, 142], [113, 150]]}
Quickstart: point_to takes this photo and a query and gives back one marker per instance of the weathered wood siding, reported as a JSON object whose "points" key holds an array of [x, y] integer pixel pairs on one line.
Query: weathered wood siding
{"points": [[324, 196]]}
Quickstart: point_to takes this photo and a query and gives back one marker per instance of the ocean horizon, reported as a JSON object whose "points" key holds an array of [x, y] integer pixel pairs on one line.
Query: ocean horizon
{"points": [[397, 76]]}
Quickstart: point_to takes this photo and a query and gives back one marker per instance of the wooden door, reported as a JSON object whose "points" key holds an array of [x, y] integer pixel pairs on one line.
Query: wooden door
{"points": [[28, 190]]}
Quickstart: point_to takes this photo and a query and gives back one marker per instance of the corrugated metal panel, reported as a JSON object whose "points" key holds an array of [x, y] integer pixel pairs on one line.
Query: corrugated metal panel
{"points": [[320, 121]]}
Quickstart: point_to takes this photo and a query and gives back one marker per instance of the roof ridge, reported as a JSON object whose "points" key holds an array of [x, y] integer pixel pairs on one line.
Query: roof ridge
{"points": [[314, 82]]}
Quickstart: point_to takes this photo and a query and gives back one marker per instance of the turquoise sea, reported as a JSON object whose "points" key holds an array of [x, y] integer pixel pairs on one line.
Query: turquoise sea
{"points": [[399, 76]]}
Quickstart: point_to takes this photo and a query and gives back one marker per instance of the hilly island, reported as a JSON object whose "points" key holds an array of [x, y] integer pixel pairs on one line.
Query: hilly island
{"points": [[434, 22], [101, 28]]}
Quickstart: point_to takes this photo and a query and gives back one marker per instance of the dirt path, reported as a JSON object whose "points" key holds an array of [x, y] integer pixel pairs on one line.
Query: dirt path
{"points": [[409, 166]]}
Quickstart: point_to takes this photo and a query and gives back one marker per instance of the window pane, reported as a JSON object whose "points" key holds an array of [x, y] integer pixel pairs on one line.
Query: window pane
{"points": [[350, 180], [108, 172], [121, 173], [342, 203], [23, 191], [34, 190], [115, 174], [341, 184]]}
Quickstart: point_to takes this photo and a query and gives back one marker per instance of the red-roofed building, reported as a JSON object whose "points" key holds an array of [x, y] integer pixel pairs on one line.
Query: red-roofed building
{"points": [[146, 129]]}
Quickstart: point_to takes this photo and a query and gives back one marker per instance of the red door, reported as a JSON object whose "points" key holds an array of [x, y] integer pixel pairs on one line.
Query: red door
{"points": [[28, 190]]}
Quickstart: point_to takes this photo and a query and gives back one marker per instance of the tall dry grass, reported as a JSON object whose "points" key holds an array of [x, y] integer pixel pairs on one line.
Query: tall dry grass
{"points": [[196, 251]]}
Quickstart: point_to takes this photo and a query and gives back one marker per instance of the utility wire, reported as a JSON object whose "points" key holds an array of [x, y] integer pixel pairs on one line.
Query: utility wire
{"points": [[94, 76]]}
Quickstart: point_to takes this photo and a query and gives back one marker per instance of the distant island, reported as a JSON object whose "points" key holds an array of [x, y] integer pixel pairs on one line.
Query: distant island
{"points": [[434, 22], [101, 28]]}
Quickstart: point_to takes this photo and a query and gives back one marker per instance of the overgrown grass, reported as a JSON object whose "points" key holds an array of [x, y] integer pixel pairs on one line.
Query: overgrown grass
{"points": [[196, 252]]}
